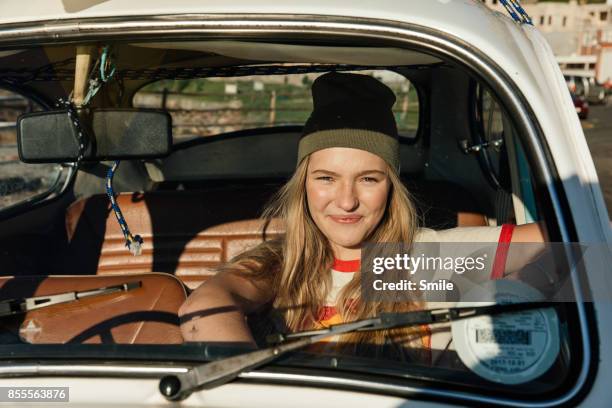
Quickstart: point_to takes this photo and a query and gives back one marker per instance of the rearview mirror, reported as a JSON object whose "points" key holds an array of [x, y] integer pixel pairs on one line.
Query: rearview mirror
{"points": [[50, 137]]}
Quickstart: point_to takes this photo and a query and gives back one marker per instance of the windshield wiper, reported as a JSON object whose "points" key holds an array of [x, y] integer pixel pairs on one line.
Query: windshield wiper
{"points": [[16, 306], [213, 374]]}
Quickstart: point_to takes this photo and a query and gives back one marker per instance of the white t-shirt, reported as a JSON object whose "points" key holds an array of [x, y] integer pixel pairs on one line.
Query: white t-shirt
{"points": [[343, 272]]}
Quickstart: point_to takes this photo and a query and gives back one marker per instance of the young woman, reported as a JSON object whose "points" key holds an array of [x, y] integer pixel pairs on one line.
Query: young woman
{"points": [[345, 191]]}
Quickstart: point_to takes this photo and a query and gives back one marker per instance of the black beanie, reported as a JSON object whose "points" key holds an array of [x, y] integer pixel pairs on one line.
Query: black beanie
{"points": [[351, 110]]}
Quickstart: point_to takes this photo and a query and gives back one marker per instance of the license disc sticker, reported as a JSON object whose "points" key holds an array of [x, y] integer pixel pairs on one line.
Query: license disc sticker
{"points": [[512, 348]]}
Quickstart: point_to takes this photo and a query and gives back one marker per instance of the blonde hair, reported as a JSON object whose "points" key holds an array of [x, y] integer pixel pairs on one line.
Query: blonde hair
{"points": [[299, 266]]}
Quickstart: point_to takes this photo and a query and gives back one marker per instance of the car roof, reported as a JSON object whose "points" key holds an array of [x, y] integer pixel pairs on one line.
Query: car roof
{"points": [[430, 12], [455, 17], [495, 35]]}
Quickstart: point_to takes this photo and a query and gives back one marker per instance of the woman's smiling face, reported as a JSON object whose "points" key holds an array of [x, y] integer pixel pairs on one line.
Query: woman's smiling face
{"points": [[347, 191]]}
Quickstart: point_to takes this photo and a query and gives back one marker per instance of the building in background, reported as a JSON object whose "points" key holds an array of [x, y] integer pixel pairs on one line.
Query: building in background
{"points": [[579, 32]]}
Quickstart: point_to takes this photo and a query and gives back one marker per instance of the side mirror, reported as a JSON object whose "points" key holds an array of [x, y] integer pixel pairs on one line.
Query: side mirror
{"points": [[51, 137]]}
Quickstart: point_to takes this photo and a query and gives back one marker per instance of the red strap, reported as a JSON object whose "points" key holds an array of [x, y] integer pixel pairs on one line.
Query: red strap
{"points": [[326, 312], [346, 266], [503, 246]]}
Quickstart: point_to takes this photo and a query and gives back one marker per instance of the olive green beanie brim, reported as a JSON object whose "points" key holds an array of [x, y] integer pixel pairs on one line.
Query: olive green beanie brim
{"points": [[380, 144]]}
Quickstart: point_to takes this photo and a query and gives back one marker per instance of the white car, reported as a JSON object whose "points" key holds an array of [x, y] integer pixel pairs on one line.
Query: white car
{"points": [[219, 91]]}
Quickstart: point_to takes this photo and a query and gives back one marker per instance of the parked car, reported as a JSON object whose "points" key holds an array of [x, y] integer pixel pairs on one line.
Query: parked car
{"points": [[219, 92], [588, 87], [581, 105]]}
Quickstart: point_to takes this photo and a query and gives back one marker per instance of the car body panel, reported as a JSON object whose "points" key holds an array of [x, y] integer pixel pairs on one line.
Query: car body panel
{"points": [[144, 392], [519, 52]]}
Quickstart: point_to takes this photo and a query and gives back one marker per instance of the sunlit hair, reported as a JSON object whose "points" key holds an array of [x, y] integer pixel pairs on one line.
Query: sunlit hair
{"points": [[299, 266]]}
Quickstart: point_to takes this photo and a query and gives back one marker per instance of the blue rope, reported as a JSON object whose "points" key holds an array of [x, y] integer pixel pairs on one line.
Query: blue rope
{"points": [[511, 11], [517, 6], [133, 243], [107, 70], [516, 11]]}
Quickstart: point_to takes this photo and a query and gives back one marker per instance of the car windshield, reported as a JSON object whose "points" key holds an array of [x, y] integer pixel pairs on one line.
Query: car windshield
{"points": [[101, 255]]}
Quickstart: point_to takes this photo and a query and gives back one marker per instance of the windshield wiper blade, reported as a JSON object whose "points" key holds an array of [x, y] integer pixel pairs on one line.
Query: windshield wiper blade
{"points": [[415, 318], [16, 306], [213, 374]]}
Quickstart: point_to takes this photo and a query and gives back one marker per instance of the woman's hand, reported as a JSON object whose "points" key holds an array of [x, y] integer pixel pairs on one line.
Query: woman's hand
{"points": [[534, 232]]}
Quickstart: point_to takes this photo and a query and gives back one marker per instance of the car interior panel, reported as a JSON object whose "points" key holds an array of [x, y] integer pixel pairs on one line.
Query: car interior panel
{"points": [[145, 314]]}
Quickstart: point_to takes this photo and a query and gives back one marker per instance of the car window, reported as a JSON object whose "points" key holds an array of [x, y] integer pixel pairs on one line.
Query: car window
{"points": [[492, 127], [211, 106], [19, 181], [502, 159], [487, 136], [191, 222]]}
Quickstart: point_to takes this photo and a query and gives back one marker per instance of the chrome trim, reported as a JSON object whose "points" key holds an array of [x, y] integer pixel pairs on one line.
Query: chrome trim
{"points": [[368, 386], [408, 35], [88, 370]]}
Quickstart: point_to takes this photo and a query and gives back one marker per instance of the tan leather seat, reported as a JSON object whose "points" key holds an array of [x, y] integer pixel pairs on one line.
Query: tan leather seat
{"points": [[145, 315], [188, 233]]}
